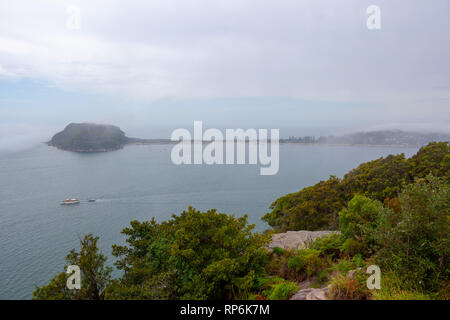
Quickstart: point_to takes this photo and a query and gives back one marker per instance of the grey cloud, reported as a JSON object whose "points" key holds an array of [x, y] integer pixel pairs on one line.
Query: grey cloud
{"points": [[308, 50]]}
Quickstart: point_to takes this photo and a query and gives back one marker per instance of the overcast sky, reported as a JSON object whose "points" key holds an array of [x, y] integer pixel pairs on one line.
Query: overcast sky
{"points": [[306, 67]]}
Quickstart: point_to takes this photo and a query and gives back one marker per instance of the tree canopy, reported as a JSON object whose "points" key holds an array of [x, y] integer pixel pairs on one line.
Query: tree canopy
{"points": [[94, 275], [317, 207]]}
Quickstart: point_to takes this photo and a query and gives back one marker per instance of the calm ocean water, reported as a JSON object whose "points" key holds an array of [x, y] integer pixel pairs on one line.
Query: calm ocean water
{"points": [[138, 182]]}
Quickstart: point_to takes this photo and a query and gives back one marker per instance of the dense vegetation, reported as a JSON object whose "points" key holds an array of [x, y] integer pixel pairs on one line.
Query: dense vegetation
{"points": [[317, 207], [410, 242], [197, 255], [390, 220]]}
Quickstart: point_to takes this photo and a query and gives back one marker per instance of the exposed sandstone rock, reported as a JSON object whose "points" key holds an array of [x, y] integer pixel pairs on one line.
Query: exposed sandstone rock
{"points": [[296, 239], [312, 294]]}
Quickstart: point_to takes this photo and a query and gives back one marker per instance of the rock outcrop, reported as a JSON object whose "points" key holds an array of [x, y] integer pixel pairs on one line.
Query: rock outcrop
{"points": [[296, 239], [312, 294]]}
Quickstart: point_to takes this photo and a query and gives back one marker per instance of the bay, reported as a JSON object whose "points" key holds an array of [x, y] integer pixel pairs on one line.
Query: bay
{"points": [[136, 183]]}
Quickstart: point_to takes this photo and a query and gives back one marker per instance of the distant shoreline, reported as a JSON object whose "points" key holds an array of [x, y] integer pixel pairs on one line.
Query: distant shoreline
{"points": [[89, 138], [170, 142], [167, 141]]}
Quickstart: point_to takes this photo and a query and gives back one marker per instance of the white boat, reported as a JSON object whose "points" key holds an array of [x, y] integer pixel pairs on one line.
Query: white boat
{"points": [[70, 201]]}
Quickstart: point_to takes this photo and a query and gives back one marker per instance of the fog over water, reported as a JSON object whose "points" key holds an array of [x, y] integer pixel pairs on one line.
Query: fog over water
{"points": [[306, 68]]}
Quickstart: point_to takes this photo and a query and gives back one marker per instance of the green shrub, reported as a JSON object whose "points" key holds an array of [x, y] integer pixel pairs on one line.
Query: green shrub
{"points": [[278, 251], [297, 263], [322, 276], [283, 291], [203, 255], [279, 289], [352, 247], [395, 287], [358, 260], [343, 266], [313, 262], [354, 219], [329, 245], [416, 240], [359, 221], [346, 288]]}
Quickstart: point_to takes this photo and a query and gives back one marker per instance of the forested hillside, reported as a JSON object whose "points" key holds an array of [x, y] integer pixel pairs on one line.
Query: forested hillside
{"points": [[317, 207]]}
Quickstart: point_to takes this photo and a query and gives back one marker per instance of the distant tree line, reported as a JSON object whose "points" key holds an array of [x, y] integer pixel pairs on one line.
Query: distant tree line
{"points": [[386, 137]]}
